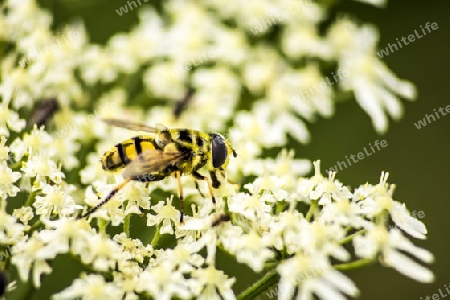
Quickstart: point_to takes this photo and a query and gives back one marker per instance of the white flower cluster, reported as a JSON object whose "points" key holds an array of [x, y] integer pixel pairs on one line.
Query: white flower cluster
{"points": [[280, 222]]}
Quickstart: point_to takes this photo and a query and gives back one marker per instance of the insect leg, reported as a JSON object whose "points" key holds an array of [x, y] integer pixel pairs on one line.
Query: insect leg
{"points": [[180, 188], [210, 186], [215, 181], [111, 194], [198, 189]]}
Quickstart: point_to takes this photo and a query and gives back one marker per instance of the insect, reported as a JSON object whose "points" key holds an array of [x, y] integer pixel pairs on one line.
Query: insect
{"points": [[167, 152], [220, 219], [182, 104], [43, 112]]}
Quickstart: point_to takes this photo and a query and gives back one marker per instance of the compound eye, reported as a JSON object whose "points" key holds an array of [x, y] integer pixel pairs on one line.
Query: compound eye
{"points": [[219, 151]]}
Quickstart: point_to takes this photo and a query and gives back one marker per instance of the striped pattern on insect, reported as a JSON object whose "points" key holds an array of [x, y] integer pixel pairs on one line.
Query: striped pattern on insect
{"points": [[167, 152]]}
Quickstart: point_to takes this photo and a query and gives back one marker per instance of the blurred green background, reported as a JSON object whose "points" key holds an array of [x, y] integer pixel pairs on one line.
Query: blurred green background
{"points": [[417, 160]]}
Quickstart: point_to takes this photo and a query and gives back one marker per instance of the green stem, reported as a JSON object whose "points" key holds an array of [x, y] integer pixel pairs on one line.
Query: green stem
{"points": [[34, 227], [270, 279], [102, 225], [279, 208], [156, 237], [312, 209], [355, 264], [351, 236], [31, 198], [126, 225], [383, 218], [16, 165]]}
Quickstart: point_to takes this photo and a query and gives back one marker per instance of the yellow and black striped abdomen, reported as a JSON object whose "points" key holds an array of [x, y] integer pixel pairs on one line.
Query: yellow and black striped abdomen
{"points": [[123, 153]]}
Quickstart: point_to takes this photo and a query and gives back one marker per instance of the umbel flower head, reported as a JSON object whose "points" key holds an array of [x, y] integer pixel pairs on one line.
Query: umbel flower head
{"points": [[300, 233]]}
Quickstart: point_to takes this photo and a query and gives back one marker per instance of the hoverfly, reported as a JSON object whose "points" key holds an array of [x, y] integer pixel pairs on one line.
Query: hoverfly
{"points": [[168, 152]]}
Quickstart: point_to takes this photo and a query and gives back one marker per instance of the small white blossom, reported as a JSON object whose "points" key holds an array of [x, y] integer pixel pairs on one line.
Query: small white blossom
{"points": [[133, 248], [25, 259], [62, 235], [166, 214], [55, 200], [90, 287], [102, 253], [185, 257], [9, 119], [37, 142], [403, 219], [10, 230], [392, 245], [208, 282], [310, 275], [373, 83], [252, 249], [24, 214], [7, 179], [163, 282], [42, 167]]}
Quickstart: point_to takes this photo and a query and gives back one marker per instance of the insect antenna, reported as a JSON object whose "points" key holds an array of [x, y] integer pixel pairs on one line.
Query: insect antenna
{"points": [[111, 194]]}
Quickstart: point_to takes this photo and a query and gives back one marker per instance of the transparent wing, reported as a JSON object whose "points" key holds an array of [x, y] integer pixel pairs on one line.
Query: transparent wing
{"points": [[152, 161], [132, 125]]}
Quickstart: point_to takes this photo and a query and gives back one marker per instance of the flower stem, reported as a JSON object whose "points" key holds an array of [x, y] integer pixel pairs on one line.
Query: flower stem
{"points": [[355, 264], [30, 198], [34, 227], [351, 236], [312, 209], [126, 225], [156, 237], [260, 286]]}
